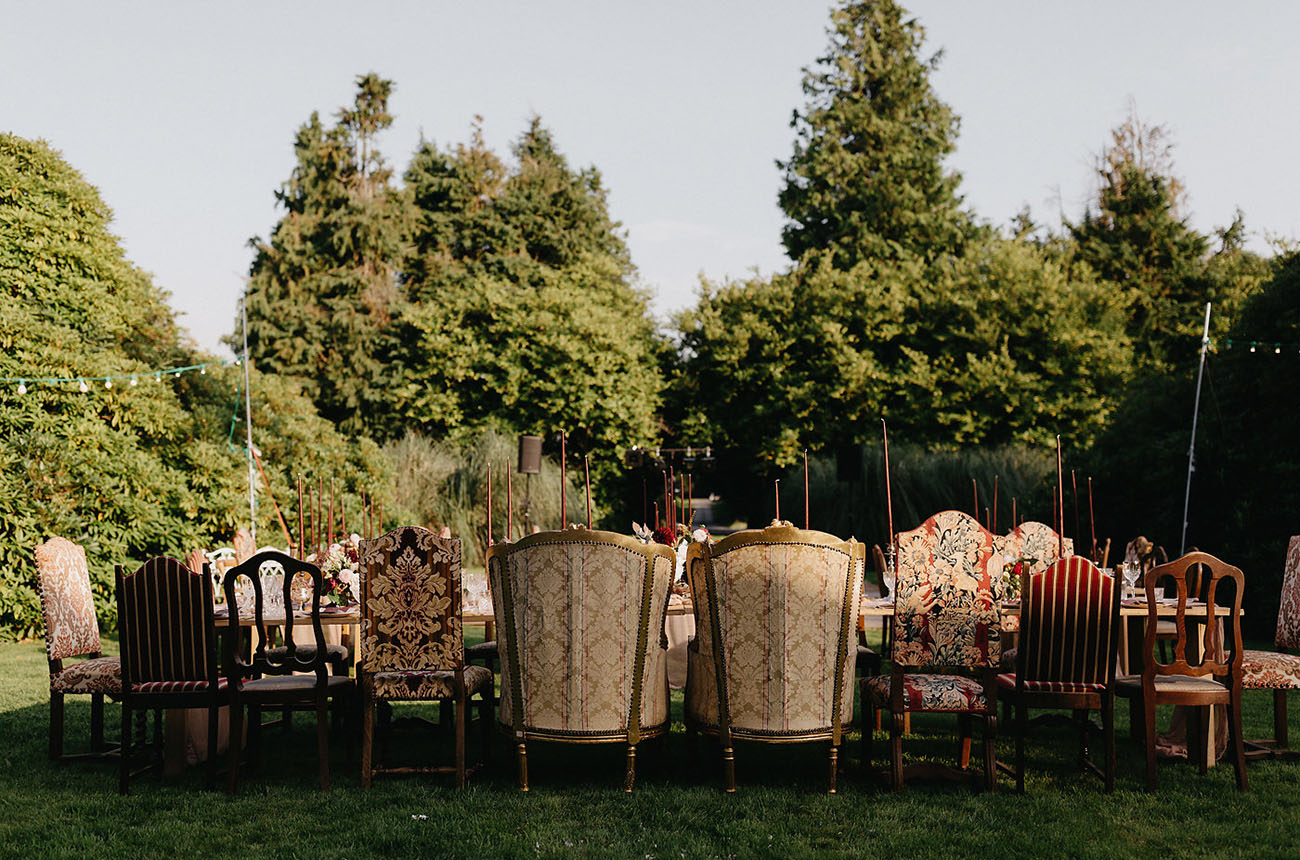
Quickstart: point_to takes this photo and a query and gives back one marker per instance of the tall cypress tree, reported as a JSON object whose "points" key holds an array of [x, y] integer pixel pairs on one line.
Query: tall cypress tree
{"points": [[322, 289], [866, 178]]}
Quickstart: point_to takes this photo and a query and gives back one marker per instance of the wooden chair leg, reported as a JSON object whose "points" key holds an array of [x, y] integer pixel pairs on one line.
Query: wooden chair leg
{"points": [[896, 751], [233, 748], [521, 753], [367, 740], [1108, 737], [124, 754], [1136, 715], [1279, 719], [97, 722], [1022, 728], [1238, 744], [964, 740], [323, 741], [56, 726], [630, 779], [991, 751], [485, 719], [834, 765], [729, 768], [255, 739], [1149, 726], [868, 740], [1197, 719], [1081, 720], [460, 738], [214, 718]]}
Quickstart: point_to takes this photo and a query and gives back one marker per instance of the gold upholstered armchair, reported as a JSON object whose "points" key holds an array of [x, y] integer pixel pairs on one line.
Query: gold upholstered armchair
{"points": [[773, 655], [580, 630]]}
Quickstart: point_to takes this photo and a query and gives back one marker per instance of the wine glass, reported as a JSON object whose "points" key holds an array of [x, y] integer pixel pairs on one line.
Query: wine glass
{"points": [[1131, 570], [888, 576], [300, 590]]}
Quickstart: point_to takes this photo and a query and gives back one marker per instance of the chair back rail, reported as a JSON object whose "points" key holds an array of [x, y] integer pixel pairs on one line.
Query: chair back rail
{"points": [[251, 570], [1186, 573], [166, 624], [1069, 624]]}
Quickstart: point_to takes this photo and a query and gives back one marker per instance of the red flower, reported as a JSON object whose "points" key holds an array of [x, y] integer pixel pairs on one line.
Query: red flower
{"points": [[664, 535]]}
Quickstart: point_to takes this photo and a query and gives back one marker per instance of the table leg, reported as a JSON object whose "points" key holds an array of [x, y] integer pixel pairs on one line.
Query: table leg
{"points": [[489, 631], [174, 741]]}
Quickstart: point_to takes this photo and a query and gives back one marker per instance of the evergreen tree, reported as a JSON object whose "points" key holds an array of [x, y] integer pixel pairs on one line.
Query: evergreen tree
{"points": [[866, 178], [323, 288]]}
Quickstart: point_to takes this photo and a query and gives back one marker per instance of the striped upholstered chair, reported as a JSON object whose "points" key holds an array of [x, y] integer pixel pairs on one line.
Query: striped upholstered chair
{"points": [[773, 658], [71, 630], [1069, 637], [947, 637], [1278, 670], [580, 628], [169, 652]]}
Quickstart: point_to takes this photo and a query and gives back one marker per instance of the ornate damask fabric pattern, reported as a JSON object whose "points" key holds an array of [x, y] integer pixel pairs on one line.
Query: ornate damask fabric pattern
{"points": [[780, 617], [98, 675], [66, 602], [1288, 610], [948, 594], [409, 621], [931, 692], [577, 619], [424, 684], [1270, 670]]}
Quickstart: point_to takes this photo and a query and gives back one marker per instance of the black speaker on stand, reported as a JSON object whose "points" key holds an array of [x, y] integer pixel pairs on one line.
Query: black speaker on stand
{"points": [[530, 463]]}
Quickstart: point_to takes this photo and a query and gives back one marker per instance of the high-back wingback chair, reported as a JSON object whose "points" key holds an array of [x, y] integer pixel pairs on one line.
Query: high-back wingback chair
{"points": [[1278, 670], [412, 640], [947, 634], [1213, 679], [169, 650], [1069, 637], [580, 628], [71, 630], [773, 658]]}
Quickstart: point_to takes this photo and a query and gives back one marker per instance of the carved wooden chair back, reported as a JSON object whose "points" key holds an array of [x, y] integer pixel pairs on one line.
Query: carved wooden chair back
{"points": [[1184, 573], [266, 660], [948, 595]]}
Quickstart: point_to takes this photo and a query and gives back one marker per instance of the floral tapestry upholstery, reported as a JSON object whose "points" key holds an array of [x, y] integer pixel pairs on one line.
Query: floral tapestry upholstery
{"points": [[1034, 540], [421, 684], [1270, 670], [1288, 610], [949, 693], [780, 596], [66, 602], [576, 599], [410, 602], [948, 594], [98, 675]]}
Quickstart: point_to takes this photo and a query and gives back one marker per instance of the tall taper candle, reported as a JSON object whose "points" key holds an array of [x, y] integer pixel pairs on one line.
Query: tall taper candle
{"points": [[1092, 524], [586, 470], [994, 526], [564, 486], [510, 506], [1060, 502], [302, 538], [806, 508], [777, 489], [889, 494], [489, 505]]}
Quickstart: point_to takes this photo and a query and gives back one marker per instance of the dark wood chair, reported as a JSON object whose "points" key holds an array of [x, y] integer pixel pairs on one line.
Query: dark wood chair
{"points": [[1069, 638], [1278, 671], [71, 630], [412, 642], [947, 640], [169, 654], [1197, 681], [284, 676]]}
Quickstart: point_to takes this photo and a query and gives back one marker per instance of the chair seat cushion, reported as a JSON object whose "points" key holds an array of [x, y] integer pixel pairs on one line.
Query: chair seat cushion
{"points": [[176, 686], [1270, 670], [97, 675], [931, 692], [307, 653], [1009, 659], [430, 683], [1130, 684], [278, 684], [1007, 681]]}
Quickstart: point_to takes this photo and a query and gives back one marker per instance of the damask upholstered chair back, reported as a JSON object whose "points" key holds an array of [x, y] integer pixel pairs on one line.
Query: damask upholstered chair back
{"points": [[410, 603], [948, 595], [165, 618], [580, 632], [1037, 541], [1287, 636], [773, 655], [1070, 627], [67, 604]]}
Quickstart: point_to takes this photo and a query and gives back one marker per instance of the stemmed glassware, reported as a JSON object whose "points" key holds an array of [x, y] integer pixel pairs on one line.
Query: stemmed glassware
{"points": [[889, 575], [1131, 571]]}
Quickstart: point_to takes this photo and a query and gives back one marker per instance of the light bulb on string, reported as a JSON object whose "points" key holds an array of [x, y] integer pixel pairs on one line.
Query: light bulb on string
{"points": [[133, 380], [157, 377], [108, 383], [1252, 347], [1277, 350], [22, 387], [83, 386], [203, 371]]}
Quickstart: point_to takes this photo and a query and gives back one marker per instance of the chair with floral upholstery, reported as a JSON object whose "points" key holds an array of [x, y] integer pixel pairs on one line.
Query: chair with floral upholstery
{"points": [[1278, 670], [773, 658], [71, 630], [1038, 546], [412, 641], [1069, 640], [580, 627], [169, 653], [947, 638]]}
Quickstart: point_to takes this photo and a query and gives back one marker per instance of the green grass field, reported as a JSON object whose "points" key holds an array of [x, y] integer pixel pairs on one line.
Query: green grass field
{"points": [[577, 808]]}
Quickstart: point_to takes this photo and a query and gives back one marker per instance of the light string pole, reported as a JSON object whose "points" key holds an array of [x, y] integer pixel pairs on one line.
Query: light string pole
{"points": [[1196, 409], [248, 426]]}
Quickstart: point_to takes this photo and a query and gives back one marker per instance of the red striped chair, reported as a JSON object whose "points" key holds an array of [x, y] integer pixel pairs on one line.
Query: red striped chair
{"points": [[947, 638], [169, 653], [1278, 670], [1069, 637]]}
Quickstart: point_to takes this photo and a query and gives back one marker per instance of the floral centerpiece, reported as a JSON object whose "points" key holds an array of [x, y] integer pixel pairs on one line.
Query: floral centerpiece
{"points": [[1012, 570], [338, 567]]}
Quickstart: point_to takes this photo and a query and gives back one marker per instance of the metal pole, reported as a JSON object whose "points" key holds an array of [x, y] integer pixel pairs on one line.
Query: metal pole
{"points": [[1196, 409], [248, 418]]}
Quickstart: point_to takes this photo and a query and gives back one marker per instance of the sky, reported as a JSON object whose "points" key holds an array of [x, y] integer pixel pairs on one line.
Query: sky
{"points": [[183, 114]]}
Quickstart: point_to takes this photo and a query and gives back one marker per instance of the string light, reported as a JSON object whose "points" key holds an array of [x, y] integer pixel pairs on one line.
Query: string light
{"points": [[83, 386], [108, 383], [133, 379], [22, 387]]}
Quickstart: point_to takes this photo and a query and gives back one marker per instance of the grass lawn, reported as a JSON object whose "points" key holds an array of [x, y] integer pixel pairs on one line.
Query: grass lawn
{"points": [[577, 808]]}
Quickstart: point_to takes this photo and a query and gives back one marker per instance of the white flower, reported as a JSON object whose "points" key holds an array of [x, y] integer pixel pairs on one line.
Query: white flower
{"points": [[700, 535], [349, 577]]}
